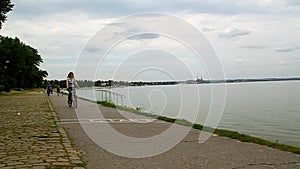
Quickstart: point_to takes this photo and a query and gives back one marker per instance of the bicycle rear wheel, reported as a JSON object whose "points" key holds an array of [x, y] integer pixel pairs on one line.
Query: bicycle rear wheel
{"points": [[70, 98], [70, 102], [75, 100]]}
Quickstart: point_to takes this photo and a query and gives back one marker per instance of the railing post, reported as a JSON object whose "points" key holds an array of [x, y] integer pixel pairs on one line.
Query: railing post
{"points": [[117, 100], [110, 96]]}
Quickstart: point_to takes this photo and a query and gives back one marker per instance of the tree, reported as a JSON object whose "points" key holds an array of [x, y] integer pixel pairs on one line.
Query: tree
{"points": [[5, 7], [19, 65]]}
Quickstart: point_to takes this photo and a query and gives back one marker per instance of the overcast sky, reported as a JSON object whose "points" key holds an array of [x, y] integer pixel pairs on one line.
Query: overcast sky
{"points": [[252, 39]]}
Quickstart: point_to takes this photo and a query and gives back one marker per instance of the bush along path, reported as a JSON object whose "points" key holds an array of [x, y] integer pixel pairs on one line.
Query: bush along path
{"points": [[29, 136]]}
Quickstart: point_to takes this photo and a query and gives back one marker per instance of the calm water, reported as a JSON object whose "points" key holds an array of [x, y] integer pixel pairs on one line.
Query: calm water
{"points": [[269, 110]]}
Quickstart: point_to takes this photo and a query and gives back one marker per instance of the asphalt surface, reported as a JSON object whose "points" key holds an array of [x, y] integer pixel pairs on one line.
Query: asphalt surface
{"points": [[109, 138]]}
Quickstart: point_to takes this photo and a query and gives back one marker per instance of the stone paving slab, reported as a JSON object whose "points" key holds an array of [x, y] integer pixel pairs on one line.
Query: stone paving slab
{"points": [[29, 136]]}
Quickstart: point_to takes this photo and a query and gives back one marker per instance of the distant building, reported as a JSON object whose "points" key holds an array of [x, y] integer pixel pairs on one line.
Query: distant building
{"points": [[199, 80]]}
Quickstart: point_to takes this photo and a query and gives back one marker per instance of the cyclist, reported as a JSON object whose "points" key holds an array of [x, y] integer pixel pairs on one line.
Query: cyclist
{"points": [[57, 90], [49, 89], [70, 84]]}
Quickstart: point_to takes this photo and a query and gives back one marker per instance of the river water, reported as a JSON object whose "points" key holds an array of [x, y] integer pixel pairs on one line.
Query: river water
{"points": [[269, 110]]}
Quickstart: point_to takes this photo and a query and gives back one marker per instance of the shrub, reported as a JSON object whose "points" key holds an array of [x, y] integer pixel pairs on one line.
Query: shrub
{"points": [[107, 104], [2, 87]]}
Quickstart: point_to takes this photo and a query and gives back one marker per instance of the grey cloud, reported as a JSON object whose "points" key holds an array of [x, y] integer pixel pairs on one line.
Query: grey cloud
{"points": [[207, 29], [92, 49], [234, 33], [38, 8], [252, 47], [293, 2], [144, 36], [288, 49], [126, 29], [119, 24], [112, 8]]}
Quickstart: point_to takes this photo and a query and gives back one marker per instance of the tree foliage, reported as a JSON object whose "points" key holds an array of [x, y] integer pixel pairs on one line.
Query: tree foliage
{"points": [[5, 7], [19, 65]]}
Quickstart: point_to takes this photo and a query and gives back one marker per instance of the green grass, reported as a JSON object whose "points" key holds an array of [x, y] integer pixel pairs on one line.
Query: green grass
{"points": [[107, 104], [219, 132], [251, 139], [21, 91]]}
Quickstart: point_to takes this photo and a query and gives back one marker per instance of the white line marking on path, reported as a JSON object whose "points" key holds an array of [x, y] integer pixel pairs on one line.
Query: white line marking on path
{"points": [[68, 121]]}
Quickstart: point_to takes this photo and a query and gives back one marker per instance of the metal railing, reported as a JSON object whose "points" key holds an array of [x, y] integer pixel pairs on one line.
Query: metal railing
{"points": [[110, 96]]}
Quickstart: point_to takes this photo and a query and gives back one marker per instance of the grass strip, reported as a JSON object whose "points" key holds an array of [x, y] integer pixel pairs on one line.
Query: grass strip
{"points": [[21, 91], [251, 139], [107, 104]]}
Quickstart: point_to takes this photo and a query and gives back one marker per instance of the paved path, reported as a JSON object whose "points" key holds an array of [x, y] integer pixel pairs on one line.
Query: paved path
{"points": [[86, 124], [29, 136]]}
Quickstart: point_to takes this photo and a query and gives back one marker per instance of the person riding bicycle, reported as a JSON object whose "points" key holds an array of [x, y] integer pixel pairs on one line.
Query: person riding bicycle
{"points": [[70, 84]]}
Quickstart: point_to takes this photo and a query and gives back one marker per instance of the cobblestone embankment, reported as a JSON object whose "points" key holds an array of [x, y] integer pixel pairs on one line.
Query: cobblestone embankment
{"points": [[29, 136]]}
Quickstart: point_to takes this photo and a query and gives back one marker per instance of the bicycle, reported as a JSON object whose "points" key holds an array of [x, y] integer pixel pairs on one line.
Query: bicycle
{"points": [[72, 97]]}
